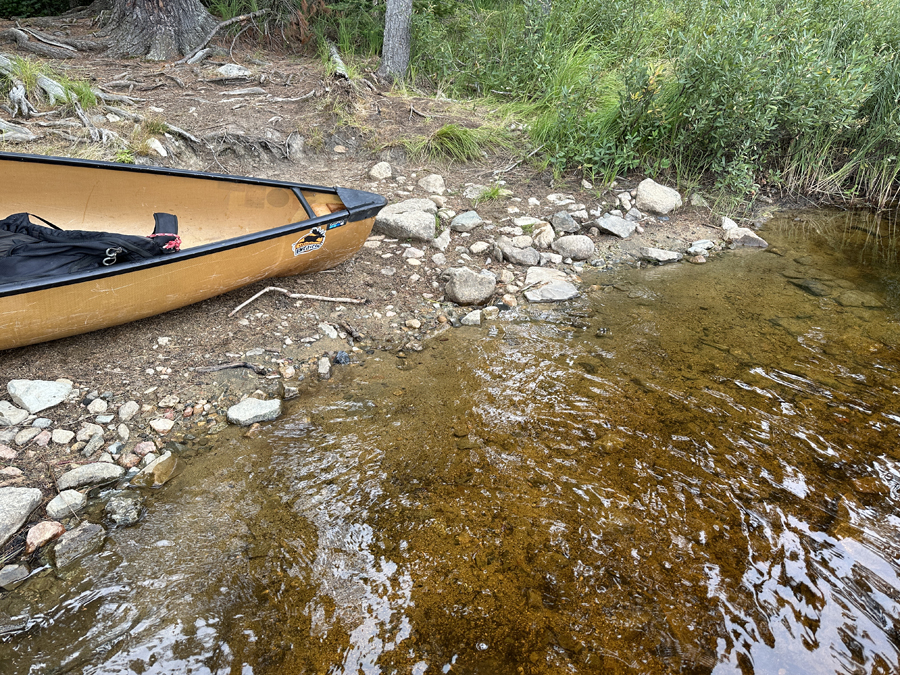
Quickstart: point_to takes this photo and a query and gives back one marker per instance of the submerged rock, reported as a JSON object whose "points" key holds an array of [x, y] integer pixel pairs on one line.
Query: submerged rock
{"points": [[78, 542], [124, 509], [157, 472]]}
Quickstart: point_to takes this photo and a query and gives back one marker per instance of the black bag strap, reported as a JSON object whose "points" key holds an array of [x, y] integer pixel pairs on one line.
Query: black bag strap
{"points": [[46, 222]]}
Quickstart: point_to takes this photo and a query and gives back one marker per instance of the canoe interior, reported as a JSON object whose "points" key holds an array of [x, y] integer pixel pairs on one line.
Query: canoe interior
{"points": [[109, 200]]}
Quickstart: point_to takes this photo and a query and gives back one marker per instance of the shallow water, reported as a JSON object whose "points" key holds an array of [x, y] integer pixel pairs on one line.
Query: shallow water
{"points": [[689, 469]]}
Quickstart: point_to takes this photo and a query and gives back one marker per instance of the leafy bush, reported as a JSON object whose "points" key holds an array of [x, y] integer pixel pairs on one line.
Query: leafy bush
{"points": [[10, 8]]}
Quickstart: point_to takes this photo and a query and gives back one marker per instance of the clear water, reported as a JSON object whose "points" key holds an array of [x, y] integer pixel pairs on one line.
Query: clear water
{"points": [[690, 469]]}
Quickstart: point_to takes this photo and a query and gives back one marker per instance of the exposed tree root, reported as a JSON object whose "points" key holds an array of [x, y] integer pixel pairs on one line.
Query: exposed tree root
{"points": [[25, 43], [238, 19]]}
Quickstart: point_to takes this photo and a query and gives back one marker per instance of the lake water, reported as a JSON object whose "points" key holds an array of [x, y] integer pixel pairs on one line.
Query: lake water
{"points": [[689, 469]]}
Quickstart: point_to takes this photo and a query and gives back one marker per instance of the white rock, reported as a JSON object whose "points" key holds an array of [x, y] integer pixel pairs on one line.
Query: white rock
{"points": [[656, 198], [67, 503], [97, 406], [88, 430], [659, 255], [472, 318], [62, 436], [162, 425], [555, 291], [37, 395], [728, 223], [742, 236], [252, 410], [380, 171], [10, 415], [16, 504], [234, 70], [433, 183], [537, 276], [157, 147], [479, 247], [128, 410]]}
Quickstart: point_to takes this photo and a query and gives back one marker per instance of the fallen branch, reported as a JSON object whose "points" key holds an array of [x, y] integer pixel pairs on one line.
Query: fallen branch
{"points": [[216, 29], [413, 110], [339, 67], [298, 296], [134, 117], [515, 164], [115, 98], [259, 370]]}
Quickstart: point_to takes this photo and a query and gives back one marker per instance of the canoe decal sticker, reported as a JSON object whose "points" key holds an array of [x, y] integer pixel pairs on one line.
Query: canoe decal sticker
{"points": [[311, 241]]}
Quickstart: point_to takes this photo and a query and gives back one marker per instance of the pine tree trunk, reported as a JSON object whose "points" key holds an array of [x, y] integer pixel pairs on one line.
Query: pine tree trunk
{"points": [[395, 52], [160, 30]]}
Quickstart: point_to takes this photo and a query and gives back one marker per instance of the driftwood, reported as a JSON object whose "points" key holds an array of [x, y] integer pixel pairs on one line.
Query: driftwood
{"points": [[336, 60], [21, 106], [134, 117], [259, 370], [298, 296], [15, 133]]}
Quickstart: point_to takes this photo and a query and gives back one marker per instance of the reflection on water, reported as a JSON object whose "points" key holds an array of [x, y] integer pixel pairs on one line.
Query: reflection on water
{"points": [[690, 469]]}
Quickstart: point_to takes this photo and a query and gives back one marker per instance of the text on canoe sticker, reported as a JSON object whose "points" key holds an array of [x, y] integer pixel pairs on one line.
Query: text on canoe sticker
{"points": [[311, 241]]}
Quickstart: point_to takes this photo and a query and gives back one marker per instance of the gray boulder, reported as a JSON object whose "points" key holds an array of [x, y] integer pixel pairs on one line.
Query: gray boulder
{"points": [[252, 410], [16, 504], [656, 198], [615, 225], [518, 256], [563, 222], [78, 542], [658, 255], [466, 287], [88, 475], [555, 291], [466, 222], [574, 246], [410, 219], [12, 575], [37, 395]]}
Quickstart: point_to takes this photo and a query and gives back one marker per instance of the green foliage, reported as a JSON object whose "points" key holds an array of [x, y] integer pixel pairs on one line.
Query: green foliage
{"points": [[286, 23], [10, 8], [804, 94], [124, 156]]}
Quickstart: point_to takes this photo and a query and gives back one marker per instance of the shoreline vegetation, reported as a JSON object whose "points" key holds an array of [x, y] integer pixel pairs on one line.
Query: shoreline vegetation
{"points": [[743, 97]]}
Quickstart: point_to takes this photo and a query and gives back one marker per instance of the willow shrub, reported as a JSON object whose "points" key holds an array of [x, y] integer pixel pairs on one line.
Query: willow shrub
{"points": [[801, 93]]}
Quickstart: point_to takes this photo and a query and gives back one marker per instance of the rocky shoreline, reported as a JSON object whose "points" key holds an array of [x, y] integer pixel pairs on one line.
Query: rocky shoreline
{"points": [[448, 258]]}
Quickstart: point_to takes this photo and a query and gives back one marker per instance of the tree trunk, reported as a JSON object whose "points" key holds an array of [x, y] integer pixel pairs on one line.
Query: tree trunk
{"points": [[395, 52], [160, 30]]}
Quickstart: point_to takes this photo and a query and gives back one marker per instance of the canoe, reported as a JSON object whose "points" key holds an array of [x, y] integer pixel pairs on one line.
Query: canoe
{"points": [[233, 231]]}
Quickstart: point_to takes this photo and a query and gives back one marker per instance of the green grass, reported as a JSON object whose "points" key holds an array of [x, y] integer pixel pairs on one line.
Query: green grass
{"points": [[457, 143]]}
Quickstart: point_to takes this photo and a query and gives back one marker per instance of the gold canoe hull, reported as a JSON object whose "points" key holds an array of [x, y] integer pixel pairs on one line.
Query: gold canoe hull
{"points": [[235, 231]]}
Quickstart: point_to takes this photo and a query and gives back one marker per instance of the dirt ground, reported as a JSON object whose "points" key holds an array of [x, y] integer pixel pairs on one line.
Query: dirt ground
{"points": [[305, 126]]}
